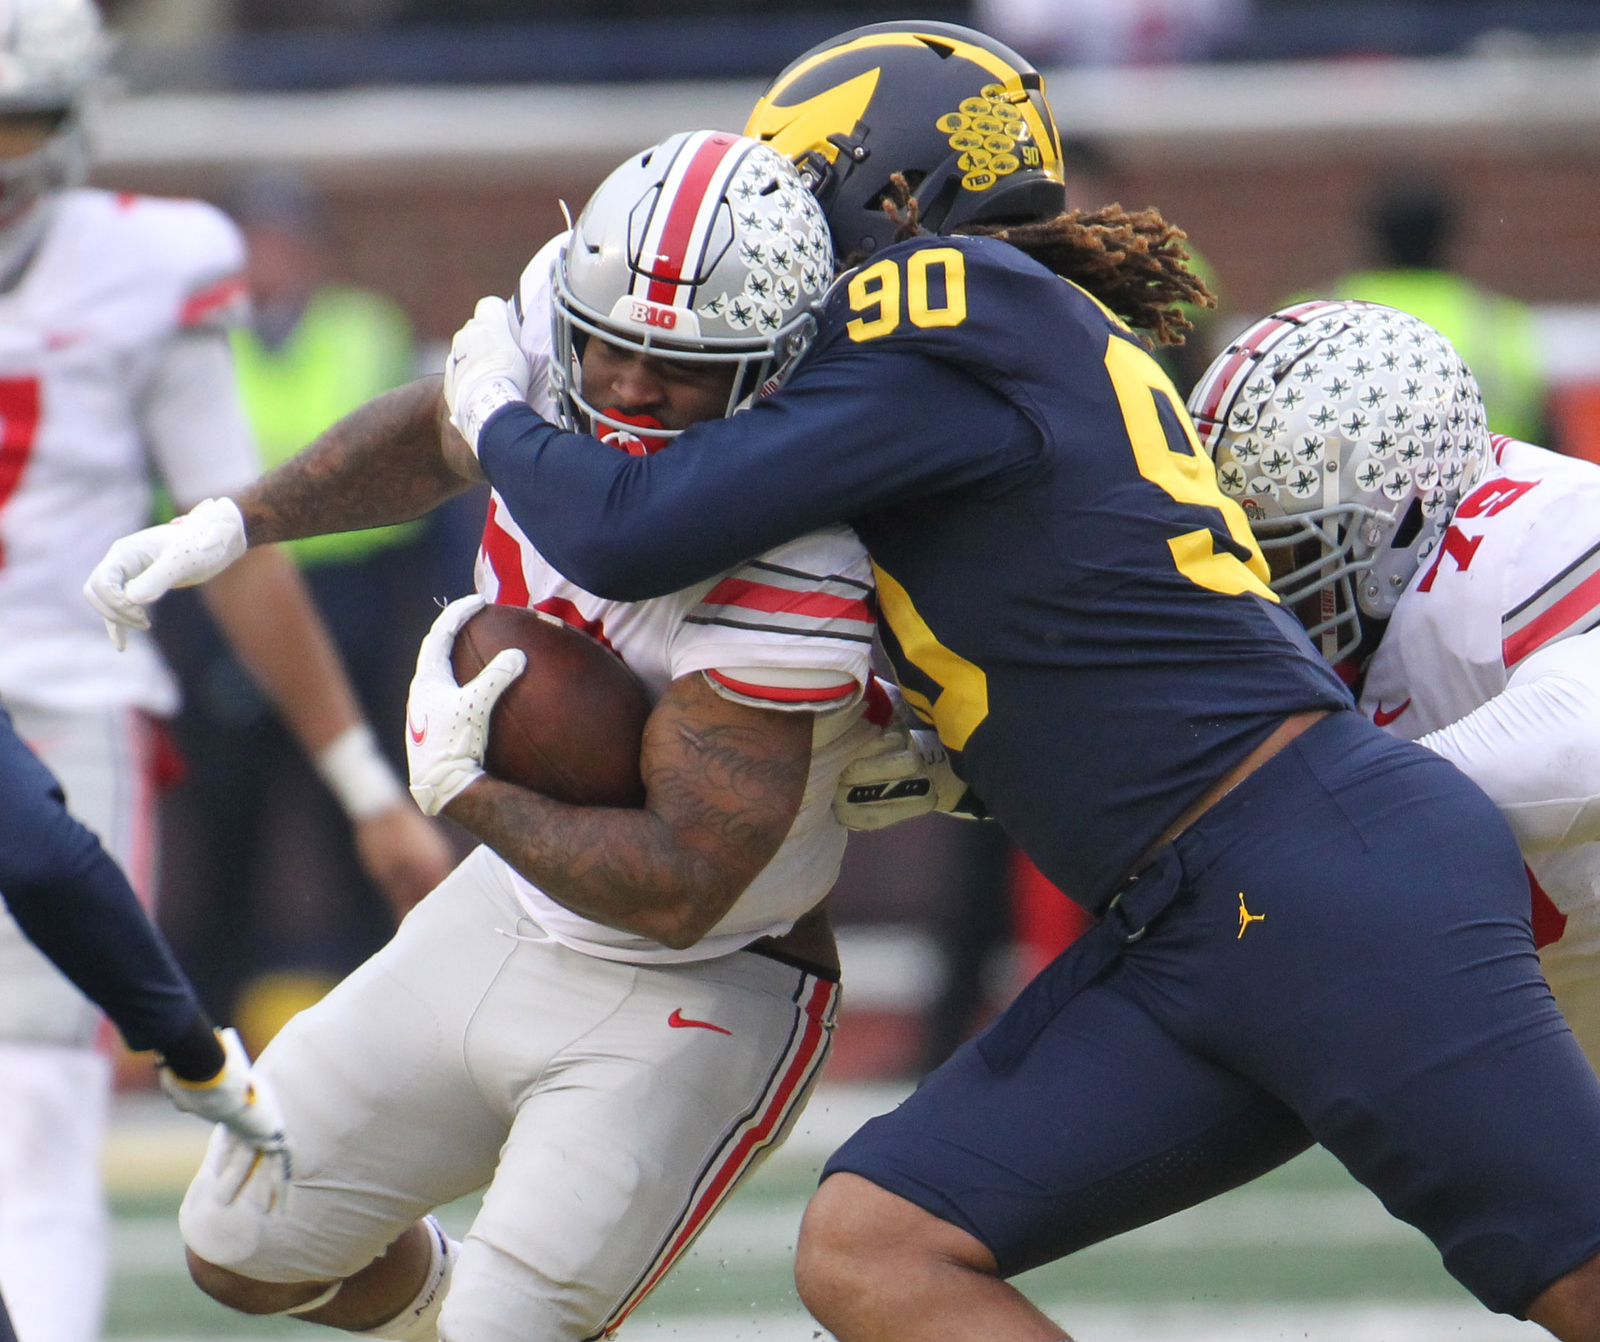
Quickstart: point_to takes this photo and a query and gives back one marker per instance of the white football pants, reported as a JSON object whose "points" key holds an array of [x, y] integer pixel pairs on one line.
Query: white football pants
{"points": [[608, 1107], [54, 1085]]}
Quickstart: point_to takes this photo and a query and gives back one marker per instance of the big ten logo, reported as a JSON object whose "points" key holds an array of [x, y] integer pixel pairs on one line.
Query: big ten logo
{"points": [[991, 136], [652, 314]]}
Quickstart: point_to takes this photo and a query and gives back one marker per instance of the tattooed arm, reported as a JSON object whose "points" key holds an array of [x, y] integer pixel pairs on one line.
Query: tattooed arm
{"points": [[723, 785], [389, 461]]}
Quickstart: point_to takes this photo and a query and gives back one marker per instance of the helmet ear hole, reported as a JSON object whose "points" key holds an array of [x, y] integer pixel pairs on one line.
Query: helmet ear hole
{"points": [[1409, 526]]}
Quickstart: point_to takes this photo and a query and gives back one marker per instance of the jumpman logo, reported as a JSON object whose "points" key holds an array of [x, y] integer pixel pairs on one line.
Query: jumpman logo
{"points": [[1246, 917]]}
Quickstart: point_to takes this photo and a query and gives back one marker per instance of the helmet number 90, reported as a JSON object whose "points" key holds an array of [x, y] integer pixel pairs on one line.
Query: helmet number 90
{"points": [[877, 291]]}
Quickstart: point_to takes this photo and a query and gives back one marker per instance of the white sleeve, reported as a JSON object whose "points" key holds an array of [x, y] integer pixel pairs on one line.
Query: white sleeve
{"points": [[1535, 747], [792, 629], [194, 422]]}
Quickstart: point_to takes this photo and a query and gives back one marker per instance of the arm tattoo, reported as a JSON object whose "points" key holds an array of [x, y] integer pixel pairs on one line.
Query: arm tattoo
{"points": [[724, 783], [381, 463]]}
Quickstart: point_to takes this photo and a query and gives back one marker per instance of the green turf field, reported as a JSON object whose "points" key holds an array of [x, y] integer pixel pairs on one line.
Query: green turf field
{"points": [[1303, 1254]]}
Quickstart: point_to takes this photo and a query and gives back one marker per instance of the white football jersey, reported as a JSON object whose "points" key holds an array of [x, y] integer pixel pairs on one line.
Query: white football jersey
{"points": [[1517, 569], [790, 630], [82, 336]]}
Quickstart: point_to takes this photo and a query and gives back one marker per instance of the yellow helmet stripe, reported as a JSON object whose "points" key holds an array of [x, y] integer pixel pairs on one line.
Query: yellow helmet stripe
{"points": [[797, 130]]}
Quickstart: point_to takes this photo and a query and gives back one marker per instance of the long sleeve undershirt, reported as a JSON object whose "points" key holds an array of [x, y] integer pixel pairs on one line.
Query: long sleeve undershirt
{"points": [[828, 448], [73, 903]]}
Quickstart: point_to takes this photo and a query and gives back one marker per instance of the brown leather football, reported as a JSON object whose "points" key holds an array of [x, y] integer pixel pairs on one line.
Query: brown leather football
{"points": [[571, 725]]}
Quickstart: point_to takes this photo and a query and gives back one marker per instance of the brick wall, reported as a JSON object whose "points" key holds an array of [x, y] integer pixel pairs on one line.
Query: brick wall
{"points": [[437, 238]]}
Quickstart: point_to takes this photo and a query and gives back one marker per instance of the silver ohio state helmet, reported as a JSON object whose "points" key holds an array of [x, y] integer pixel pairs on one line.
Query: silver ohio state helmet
{"points": [[51, 52], [707, 247], [1348, 432]]}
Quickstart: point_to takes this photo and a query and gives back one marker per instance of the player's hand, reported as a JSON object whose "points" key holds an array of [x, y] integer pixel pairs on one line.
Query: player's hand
{"points": [[486, 369], [447, 725], [405, 853], [900, 774], [242, 1102], [140, 569]]}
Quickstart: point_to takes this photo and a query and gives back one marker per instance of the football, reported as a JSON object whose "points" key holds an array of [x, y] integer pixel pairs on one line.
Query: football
{"points": [[571, 725]]}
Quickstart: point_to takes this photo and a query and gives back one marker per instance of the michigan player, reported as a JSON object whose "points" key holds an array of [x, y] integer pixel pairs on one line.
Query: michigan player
{"points": [[605, 1015], [1311, 931], [1485, 617]]}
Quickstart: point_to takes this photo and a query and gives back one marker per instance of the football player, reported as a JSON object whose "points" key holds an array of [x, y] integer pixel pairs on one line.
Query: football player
{"points": [[114, 366], [608, 1016], [1309, 931], [1474, 630]]}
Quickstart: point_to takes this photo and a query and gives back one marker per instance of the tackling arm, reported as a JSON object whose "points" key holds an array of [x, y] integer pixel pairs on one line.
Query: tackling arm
{"points": [[1535, 747], [724, 782]]}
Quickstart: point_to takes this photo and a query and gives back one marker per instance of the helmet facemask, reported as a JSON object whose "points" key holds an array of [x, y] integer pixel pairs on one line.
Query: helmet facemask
{"points": [[1348, 432], [745, 297]]}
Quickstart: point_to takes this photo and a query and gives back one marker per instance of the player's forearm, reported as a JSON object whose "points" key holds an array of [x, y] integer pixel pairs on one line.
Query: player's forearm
{"points": [[273, 628], [383, 463], [627, 869]]}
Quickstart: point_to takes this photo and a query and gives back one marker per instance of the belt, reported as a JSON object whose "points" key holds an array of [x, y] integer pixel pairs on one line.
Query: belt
{"points": [[1142, 899]]}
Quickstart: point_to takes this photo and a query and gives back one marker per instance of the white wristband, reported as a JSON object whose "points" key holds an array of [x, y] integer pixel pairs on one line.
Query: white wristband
{"points": [[355, 769], [480, 403]]}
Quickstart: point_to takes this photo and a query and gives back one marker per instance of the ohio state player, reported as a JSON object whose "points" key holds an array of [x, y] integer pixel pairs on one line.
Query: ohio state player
{"points": [[113, 365], [1485, 613], [606, 1015]]}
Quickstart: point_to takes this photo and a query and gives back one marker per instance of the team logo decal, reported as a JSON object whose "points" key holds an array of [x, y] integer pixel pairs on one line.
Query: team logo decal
{"points": [[992, 137], [780, 260]]}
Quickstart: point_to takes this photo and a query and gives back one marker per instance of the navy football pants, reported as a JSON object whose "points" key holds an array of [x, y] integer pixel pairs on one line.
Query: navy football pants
{"points": [[1348, 961]]}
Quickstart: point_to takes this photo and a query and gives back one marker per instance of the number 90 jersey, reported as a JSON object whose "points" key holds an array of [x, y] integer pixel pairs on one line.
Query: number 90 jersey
{"points": [[1092, 627], [1064, 590]]}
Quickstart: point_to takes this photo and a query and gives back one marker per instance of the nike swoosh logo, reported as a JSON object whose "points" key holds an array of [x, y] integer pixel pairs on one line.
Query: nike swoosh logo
{"points": [[678, 1021], [1384, 716], [417, 737]]}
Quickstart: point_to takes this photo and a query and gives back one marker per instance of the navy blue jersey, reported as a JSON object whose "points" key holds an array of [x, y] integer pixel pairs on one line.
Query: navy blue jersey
{"points": [[73, 902], [1066, 593]]}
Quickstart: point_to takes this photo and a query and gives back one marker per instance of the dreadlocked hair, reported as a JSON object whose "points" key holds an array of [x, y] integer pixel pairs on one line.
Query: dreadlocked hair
{"points": [[1133, 262]]}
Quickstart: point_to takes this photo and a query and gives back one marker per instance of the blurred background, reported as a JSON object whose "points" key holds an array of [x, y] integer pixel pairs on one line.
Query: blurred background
{"points": [[392, 160]]}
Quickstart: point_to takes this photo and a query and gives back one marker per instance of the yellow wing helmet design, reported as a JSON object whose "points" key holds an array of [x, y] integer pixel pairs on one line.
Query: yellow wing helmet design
{"points": [[961, 115]]}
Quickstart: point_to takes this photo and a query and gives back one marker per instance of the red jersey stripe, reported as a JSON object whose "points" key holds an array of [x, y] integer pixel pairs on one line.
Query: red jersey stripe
{"points": [[1559, 618], [505, 558], [787, 694], [786, 601], [201, 305], [667, 271]]}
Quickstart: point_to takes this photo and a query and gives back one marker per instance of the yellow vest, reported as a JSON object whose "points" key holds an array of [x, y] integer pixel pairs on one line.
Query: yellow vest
{"points": [[348, 347]]}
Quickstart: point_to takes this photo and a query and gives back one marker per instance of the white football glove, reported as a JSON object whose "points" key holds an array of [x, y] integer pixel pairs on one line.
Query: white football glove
{"points": [[898, 775], [447, 725], [140, 569], [243, 1103], [486, 369]]}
